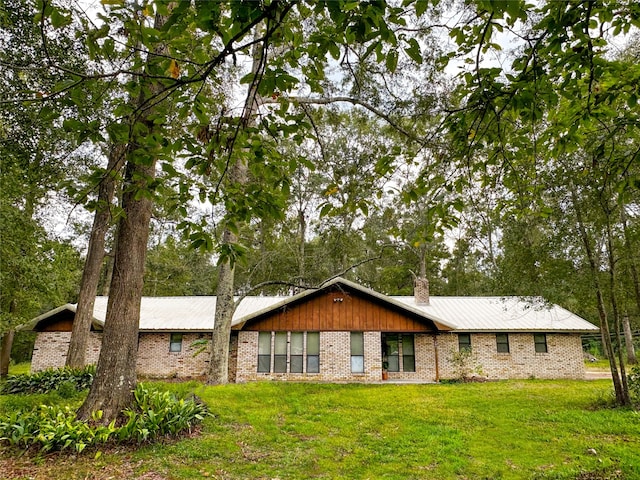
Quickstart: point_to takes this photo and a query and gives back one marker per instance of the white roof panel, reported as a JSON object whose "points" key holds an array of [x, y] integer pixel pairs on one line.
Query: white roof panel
{"points": [[185, 313], [466, 314], [501, 313]]}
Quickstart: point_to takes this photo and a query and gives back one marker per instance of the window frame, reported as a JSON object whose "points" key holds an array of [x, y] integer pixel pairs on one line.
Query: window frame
{"points": [[264, 355], [502, 343], [280, 360], [464, 345], [172, 342], [356, 356], [296, 360], [537, 343], [312, 356], [408, 359]]}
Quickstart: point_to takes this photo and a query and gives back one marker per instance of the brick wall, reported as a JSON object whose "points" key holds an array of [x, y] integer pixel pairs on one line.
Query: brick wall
{"points": [[155, 359], [50, 349], [335, 359], [562, 360]]}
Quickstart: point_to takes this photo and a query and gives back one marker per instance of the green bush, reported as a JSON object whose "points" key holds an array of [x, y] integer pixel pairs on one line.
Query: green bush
{"points": [[154, 414], [51, 428], [48, 380]]}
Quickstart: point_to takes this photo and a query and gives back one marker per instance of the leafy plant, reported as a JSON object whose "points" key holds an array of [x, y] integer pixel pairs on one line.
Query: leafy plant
{"points": [[69, 379], [158, 414], [464, 365], [51, 428]]}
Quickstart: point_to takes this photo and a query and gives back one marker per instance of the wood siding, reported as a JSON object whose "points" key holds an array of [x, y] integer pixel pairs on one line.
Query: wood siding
{"points": [[339, 311]]}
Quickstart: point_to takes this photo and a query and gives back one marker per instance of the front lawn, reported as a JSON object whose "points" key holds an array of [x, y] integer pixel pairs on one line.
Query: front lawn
{"points": [[499, 430]]}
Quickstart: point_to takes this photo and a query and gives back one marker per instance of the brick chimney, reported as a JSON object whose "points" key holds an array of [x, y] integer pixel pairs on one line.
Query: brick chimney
{"points": [[421, 291]]}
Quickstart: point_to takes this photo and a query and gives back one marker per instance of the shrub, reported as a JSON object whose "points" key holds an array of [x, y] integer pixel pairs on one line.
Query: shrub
{"points": [[154, 414], [464, 365], [49, 380], [52, 428]]}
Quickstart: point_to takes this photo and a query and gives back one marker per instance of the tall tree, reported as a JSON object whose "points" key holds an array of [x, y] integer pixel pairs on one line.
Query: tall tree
{"points": [[115, 380]]}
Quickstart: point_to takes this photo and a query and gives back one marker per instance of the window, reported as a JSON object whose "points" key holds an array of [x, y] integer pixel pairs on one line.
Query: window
{"points": [[408, 354], [398, 352], [540, 340], [288, 352], [280, 353], [392, 352], [464, 341], [175, 342], [357, 352], [297, 349], [264, 352], [502, 342], [313, 352]]}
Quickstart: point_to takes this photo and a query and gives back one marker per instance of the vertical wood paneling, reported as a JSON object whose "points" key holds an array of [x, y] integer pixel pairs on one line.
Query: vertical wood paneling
{"points": [[354, 313]]}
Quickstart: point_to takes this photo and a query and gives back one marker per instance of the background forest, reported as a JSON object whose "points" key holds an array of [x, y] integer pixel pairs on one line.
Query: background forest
{"points": [[491, 146]]}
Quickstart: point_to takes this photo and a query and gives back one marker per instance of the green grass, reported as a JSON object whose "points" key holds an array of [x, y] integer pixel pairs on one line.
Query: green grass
{"points": [[20, 368], [500, 430]]}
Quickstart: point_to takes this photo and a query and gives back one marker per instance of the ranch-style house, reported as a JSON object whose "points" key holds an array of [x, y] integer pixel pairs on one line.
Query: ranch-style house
{"points": [[343, 332]]}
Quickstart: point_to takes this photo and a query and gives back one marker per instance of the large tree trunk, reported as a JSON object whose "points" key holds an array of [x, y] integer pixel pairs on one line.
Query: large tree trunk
{"points": [[621, 398], [628, 341], [93, 263], [225, 306], [633, 269], [115, 380], [5, 352], [5, 345], [616, 314]]}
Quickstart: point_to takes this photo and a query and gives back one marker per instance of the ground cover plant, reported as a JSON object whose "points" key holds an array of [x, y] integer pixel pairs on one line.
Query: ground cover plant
{"points": [[534, 429], [66, 379], [47, 422]]}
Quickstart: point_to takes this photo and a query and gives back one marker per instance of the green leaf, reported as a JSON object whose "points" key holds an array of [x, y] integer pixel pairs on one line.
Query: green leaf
{"points": [[59, 20], [392, 60], [414, 51]]}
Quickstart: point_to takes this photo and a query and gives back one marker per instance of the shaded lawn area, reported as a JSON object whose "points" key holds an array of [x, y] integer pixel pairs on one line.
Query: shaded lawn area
{"points": [[498, 430]]}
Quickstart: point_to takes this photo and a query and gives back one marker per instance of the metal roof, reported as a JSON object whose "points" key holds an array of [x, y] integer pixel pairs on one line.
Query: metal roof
{"points": [[465, 314], [185, 313], [476, 314]]}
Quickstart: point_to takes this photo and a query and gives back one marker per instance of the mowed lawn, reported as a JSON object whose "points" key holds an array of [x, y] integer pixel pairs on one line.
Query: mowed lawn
{"points": [[497, 430]]}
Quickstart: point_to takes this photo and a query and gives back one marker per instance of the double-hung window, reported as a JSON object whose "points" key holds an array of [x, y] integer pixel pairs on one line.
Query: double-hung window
{"points": [[408, 354], [464, 341], [280, 353], [540, 340], [175, 342], [357, 352], [502, 342], [264, 352], [313, 352], [297, 352]]}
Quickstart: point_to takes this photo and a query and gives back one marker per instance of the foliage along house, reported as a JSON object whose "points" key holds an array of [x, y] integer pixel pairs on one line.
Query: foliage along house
{"points": [[343, 332]]}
